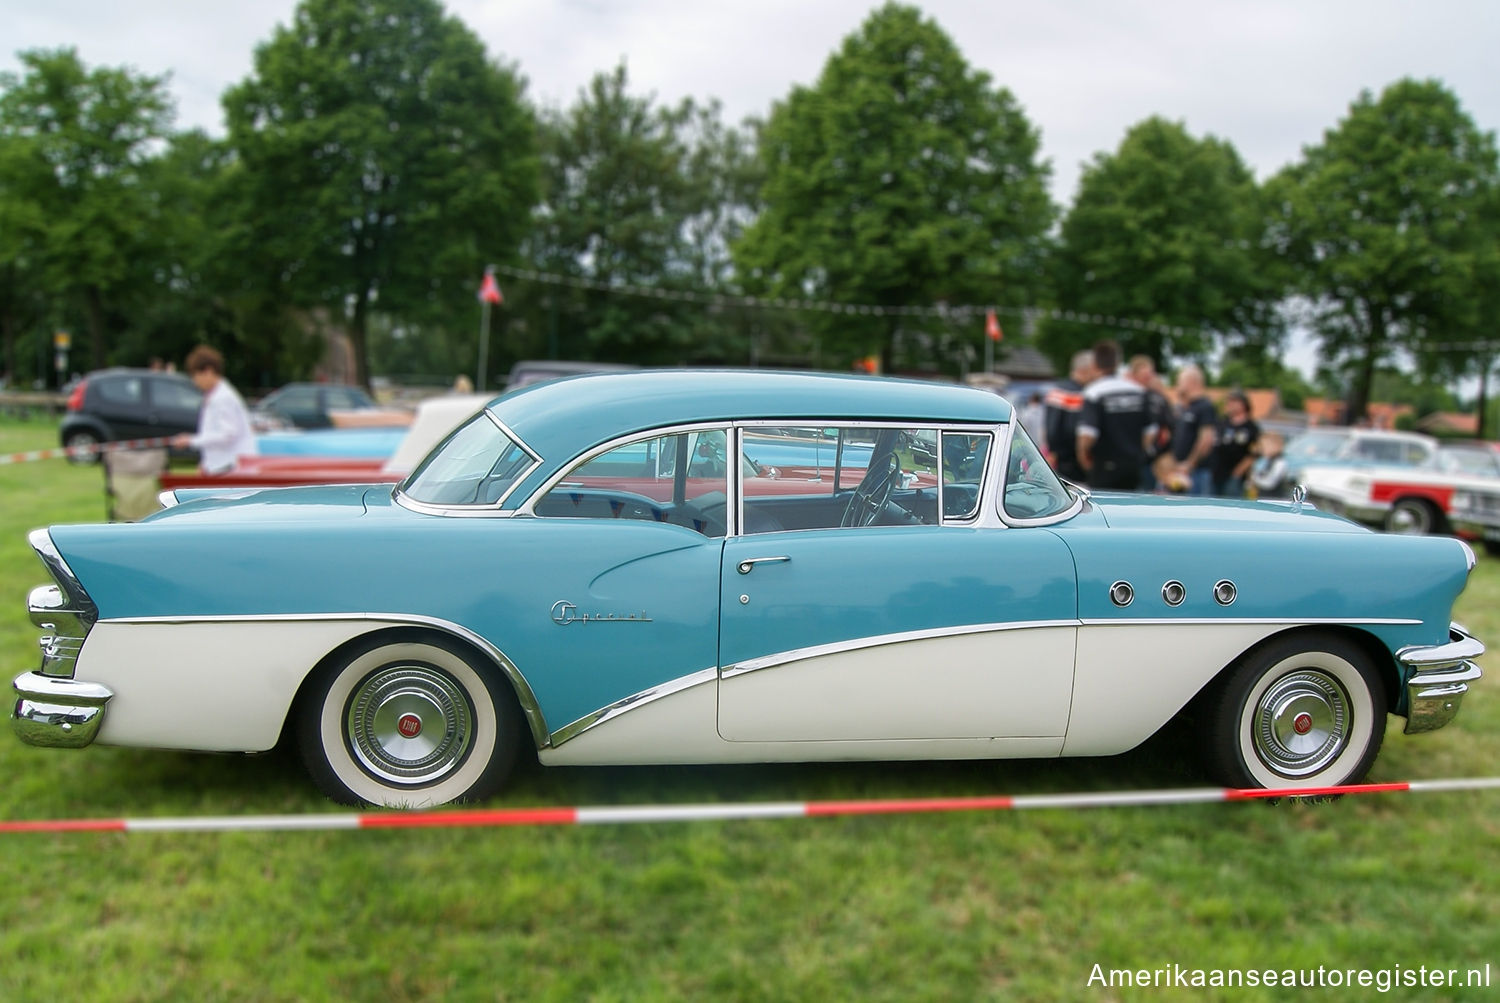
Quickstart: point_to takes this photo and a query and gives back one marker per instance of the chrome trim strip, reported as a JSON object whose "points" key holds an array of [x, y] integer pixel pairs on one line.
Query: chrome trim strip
{"points": [[1197, 621], [879, 640], [524, 695], [1469, 557], [491, 511], [635, 700], [528, 507], [167, 499]]}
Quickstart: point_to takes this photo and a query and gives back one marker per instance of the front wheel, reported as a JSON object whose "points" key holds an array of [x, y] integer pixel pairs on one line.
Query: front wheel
{"points": [[1413, 516], [408, 723], [1305, 711]]}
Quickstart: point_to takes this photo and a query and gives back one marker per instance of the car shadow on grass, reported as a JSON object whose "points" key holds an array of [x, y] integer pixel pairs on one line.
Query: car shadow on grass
{"points": [[134, 781]]}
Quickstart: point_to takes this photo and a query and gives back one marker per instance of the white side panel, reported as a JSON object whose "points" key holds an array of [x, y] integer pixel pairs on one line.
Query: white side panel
{"points": [[999, 684], [680, 729], [222, 686], [1132, 678]]}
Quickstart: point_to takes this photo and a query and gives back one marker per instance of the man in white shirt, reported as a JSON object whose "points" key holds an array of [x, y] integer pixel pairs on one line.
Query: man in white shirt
{"points": [[224, 433]]}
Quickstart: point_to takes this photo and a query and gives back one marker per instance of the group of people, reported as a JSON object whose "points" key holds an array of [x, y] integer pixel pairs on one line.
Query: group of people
{"points": [[1130, 433]]}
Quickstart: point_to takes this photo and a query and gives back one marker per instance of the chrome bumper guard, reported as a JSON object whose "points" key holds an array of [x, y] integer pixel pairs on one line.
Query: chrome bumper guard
{"points": [[57, 713], [1439, 677]]}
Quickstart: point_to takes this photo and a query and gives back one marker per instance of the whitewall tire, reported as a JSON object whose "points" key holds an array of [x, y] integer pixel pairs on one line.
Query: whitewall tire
{"points": [[408, 723], [1308, 710]]}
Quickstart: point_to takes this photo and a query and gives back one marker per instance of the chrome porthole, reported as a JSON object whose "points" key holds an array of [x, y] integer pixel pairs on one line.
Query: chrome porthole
{"points": [[1173, 593], [1301, 723], [1224, 592], [1121, 594], [410, 724]]}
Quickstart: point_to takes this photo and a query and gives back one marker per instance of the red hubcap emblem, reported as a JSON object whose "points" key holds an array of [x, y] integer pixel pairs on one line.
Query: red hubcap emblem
{"points": [[409, 725], [1302, 723]]}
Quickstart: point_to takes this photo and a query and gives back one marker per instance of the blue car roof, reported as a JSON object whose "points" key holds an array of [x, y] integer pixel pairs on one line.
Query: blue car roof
{"points": [[562, 418]]}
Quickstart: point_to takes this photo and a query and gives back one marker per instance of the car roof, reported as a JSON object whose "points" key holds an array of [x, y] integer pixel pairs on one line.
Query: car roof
{"points": [[561, 418]]}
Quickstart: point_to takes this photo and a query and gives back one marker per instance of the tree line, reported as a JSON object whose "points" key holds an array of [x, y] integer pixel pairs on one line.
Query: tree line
{"points": [[377, 158]]}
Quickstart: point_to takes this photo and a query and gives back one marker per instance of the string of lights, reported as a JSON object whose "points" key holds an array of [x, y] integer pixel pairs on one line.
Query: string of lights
{"points": [[940, 311]]}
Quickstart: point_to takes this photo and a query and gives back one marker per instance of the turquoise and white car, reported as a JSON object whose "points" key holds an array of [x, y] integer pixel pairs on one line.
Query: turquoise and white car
{"points": [[599, 570]]}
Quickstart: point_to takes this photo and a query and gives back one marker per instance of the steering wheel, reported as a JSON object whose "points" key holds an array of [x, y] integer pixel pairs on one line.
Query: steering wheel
{"points": [[873, 492]]}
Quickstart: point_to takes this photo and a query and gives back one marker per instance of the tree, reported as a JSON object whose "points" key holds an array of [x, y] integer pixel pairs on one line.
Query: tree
{"points": [[385, 161], [1167, 230], [77, 141], [1380, 220], [902, 178], [636, 194]]}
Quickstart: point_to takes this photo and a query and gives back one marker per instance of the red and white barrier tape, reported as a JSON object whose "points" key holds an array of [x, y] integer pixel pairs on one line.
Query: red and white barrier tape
{"points": [[624, 814], [80, 451]]}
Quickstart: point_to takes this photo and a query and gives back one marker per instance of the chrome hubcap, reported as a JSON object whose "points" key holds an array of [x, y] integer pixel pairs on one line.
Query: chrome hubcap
{"points": [[1407, 520], [1301, 723], [409, 724]]}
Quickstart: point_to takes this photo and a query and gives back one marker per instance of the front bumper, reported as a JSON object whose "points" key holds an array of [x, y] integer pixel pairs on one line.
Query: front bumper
{"points": [[57, 713], [1438, 676]]}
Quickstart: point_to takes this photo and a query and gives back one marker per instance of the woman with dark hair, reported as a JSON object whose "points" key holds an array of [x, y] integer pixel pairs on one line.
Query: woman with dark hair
{"points": [[1234, 450], [224, 432]]}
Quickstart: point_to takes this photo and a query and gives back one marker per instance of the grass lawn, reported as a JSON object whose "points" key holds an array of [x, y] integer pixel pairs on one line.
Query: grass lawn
{"points": [[961, 907]]}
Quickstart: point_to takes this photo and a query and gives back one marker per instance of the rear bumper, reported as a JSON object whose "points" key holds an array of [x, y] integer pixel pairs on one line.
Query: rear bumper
{"points": [[1438, 676], [57, 713]]}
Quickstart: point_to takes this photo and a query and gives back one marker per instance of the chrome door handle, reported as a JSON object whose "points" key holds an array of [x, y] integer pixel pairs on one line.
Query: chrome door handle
{"points": [[744, 566]]}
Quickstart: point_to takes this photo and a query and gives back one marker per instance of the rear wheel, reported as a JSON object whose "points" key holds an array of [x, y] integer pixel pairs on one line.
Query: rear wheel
{"points": [[410, 723], [83, 439], [1305, 711]]}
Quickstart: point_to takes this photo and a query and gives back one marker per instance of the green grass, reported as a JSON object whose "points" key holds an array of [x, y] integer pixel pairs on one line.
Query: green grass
{"points": [[961, 907]]}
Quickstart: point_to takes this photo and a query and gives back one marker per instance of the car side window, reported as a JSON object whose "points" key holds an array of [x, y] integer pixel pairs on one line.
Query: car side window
{"points": [[172, 394], [964, 455], [825, 477], [122, 390], [640, 480]]}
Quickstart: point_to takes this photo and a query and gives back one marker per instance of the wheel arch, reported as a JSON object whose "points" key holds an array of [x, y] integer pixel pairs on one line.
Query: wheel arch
{"points": [[454, 636], [1379, 655]]}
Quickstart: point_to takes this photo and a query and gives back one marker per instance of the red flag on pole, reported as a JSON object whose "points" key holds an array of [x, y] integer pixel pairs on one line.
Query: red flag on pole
{"points": [[489, 289], [992, 326]]}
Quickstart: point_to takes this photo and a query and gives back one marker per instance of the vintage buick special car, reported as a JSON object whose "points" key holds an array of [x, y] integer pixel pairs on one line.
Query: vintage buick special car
{"points": [[599, 570]]}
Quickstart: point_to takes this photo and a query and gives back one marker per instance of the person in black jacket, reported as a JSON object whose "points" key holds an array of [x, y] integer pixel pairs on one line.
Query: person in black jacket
{"points": [[1062, 406], [1116, 429]]}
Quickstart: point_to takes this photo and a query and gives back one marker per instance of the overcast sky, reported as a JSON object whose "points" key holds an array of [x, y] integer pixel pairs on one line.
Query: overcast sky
{"points": [[1269, 76]]}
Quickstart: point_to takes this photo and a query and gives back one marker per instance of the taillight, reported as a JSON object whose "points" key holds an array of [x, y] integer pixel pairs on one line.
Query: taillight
{"points": [[75, 399]]}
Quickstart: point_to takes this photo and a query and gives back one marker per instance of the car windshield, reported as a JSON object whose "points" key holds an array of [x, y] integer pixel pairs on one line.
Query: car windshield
{"points": [[1479, 462], [1318, 445], [1032, 490], [477, 464]]}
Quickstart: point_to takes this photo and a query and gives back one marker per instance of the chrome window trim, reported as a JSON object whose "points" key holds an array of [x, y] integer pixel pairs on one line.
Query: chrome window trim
{"points": [[984, 475], [636, 700], [535, 719], [1045, 520], [528, 507], [959, 428], [880, 640], [491, 510]]}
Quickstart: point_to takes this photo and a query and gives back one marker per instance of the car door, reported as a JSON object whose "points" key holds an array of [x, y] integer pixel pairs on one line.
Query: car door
{"points": [[947, 626], [631, 583]]}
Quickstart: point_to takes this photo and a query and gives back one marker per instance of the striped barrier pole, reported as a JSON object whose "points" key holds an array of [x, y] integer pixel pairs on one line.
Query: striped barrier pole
{"points": [[628, 814], [75, 452]]}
